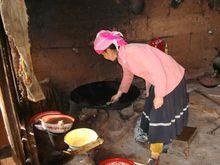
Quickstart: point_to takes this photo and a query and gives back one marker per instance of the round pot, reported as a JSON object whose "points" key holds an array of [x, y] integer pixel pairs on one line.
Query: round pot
{"points": [[58, 123], [34, 119]]}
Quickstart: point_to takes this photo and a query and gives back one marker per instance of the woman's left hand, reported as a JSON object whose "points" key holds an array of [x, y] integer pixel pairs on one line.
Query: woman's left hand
{"points": [[158, 102]]}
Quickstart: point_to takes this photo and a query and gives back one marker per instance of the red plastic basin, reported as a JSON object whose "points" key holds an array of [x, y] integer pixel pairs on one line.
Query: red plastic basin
{"points": [[116, 160]]}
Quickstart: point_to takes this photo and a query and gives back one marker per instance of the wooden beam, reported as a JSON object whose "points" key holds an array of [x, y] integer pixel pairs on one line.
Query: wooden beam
{"points": [[9, 102]]}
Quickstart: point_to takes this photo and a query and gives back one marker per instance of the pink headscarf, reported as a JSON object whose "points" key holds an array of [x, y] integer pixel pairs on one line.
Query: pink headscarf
{"points": [[105, 38]]}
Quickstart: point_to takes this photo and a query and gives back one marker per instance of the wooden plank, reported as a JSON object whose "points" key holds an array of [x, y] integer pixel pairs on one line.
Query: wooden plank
{"points": [[3, 137], [9, 101], [86, 148], [187, 134], [185, 138], [7, 161], [5, 151]]}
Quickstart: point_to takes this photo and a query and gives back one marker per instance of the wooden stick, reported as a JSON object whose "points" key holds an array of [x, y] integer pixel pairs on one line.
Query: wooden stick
{"points": [[203, 94], [85, 148], [138, 163]]}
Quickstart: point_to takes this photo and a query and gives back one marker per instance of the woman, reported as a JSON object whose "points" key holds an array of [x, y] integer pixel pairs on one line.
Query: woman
{"points": [[166, 107]]}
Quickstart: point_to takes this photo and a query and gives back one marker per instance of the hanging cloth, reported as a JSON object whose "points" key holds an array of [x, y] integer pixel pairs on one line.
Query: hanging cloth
{"points": [[15, 20]]}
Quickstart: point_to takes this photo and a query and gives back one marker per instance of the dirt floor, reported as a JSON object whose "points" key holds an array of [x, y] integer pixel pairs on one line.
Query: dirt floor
{"points": [[204, 113]]}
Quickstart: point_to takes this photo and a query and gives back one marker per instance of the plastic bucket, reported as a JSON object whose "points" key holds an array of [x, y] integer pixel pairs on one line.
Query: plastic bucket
{"points": [[113, 161]]}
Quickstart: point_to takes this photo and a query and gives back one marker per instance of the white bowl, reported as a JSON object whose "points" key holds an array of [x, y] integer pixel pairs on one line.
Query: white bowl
{"points": [[57, 123]]}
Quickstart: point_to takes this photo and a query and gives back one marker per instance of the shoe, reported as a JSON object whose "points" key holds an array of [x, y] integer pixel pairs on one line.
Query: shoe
{"points": [[143, 138], [152, 161], [139, 134], [165, 148]]}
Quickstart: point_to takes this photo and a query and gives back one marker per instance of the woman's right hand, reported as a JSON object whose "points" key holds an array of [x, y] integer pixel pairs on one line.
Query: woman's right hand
{"points": [[116, 97]]}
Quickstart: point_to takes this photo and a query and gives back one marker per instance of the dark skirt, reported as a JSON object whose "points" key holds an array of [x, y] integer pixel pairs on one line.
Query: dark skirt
{"points": [[164, 124]]}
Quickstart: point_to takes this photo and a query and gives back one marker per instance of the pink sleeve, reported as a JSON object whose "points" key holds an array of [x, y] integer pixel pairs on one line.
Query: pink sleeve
{"points": [[126, 80]]}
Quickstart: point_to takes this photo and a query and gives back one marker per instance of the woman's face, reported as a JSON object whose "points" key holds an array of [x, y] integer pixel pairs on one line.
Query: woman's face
{"points": [[110, 54]]}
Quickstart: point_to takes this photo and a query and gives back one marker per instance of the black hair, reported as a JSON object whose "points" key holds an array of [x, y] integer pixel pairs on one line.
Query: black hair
{"points": [[112, 46]]}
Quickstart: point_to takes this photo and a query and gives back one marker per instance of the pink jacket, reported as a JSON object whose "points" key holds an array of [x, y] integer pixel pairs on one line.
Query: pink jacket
{"points": [[151, 64]]}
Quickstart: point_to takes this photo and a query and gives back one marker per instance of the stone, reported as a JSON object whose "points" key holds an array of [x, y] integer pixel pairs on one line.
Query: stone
{"points": [[140, 83], [73, 108], [101, 119], [126, 113], [115, 126], [115, 123], [142, 94], [139, 105], [87, 113], [102, 116]]}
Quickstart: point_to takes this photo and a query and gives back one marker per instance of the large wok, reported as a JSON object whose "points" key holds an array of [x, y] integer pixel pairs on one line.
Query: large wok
{"points": [[97, 94]]}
